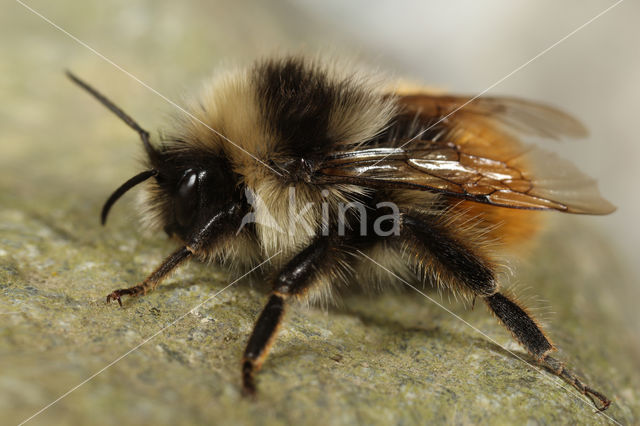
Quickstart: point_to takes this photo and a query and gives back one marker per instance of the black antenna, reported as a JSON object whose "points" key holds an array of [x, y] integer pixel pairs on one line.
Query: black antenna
{"points": [[144, 135], [139, 178]]}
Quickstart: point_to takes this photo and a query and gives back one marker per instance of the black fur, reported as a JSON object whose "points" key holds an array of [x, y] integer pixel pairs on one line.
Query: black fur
{"points": [[404, 127], [457, 259], [296, 101], [520, 324]]}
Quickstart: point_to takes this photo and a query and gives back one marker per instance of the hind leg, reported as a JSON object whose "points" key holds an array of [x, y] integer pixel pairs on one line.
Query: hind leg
{"points": [[425, 238]]}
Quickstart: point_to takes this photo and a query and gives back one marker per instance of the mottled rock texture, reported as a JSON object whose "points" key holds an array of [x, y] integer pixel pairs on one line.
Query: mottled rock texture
{"points": [[390, 359]]}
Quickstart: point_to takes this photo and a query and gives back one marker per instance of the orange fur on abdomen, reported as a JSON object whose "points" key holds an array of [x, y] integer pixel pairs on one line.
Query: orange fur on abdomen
{"points": [[513, 229]]}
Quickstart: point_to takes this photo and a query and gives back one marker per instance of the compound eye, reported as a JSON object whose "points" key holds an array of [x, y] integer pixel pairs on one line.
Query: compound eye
{"points": [[187, 198]]}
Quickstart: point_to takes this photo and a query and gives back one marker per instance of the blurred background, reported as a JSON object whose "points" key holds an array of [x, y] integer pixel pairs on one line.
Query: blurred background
{"points": [[53, 136]]}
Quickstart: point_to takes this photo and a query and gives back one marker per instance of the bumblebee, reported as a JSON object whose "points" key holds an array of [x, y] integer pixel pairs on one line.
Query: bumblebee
{"points": [[429, 186]]}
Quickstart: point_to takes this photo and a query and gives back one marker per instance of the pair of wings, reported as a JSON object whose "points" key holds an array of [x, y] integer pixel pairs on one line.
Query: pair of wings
{"points": [[475, 155]]}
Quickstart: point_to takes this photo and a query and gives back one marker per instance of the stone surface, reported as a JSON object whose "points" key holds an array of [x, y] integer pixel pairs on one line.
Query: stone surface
{"points": [[394, 358], [377, 359]]}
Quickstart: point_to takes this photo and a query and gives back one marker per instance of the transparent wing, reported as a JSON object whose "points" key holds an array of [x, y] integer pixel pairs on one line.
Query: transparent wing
{"points": [[467, 149], [529, 179], [514, 114]]}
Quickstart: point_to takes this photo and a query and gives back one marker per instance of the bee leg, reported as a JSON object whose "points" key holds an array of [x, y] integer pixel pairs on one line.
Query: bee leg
{"points": [[468, 269], [305, 270], [600, 401], [260, 342], [150, 283], [527, 331]]}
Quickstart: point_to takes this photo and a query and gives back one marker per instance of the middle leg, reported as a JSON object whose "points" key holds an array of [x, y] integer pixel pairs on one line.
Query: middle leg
{"points": [[314, 266]]}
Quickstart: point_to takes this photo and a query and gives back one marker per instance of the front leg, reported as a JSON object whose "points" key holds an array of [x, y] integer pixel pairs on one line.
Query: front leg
{"points": [[150, 283], [311, 267], [211, 228]]}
